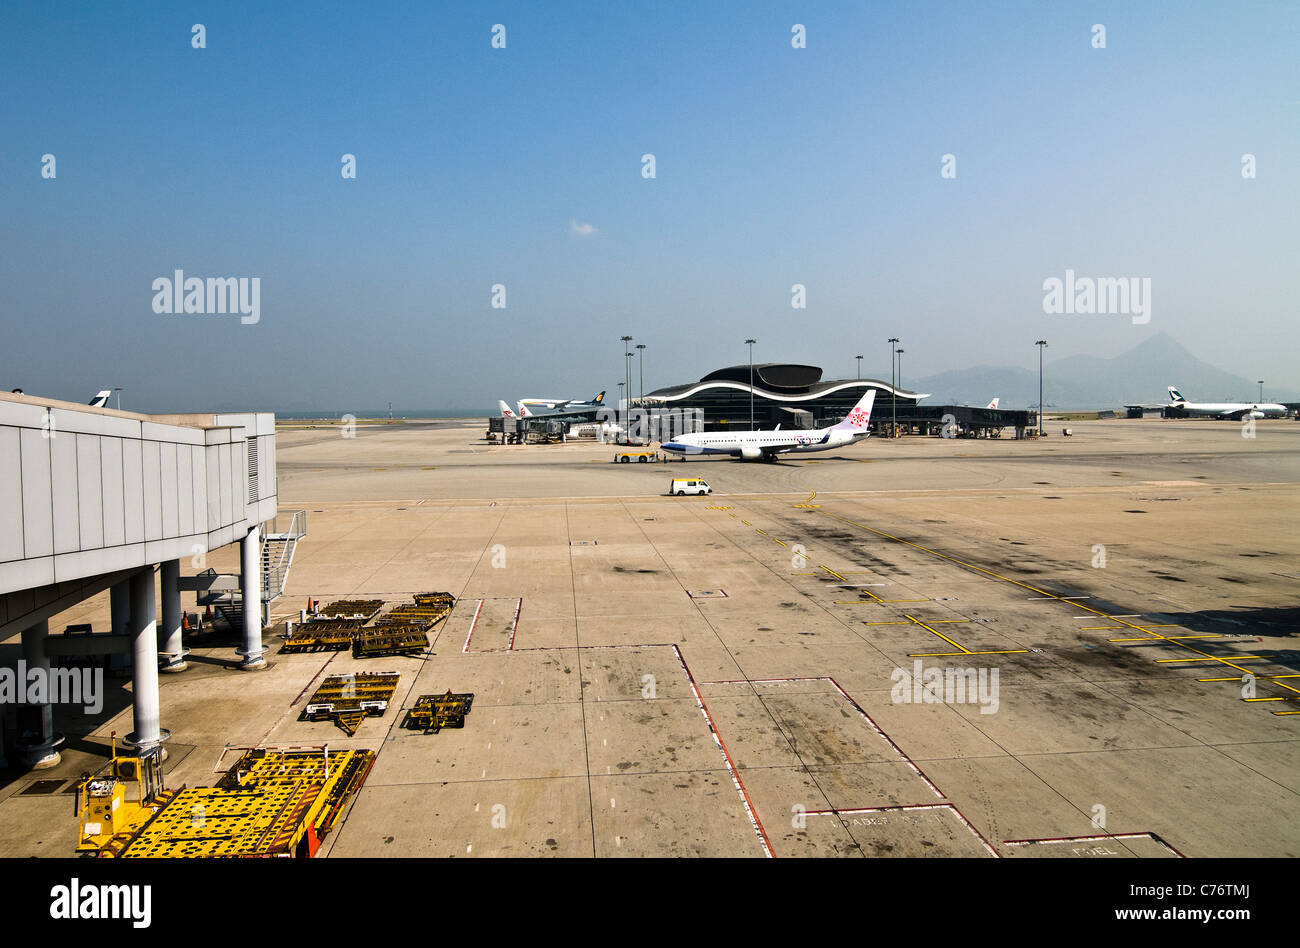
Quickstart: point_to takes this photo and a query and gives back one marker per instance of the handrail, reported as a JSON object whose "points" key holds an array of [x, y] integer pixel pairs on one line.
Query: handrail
{"points": [[275, 576], [297, 526]]}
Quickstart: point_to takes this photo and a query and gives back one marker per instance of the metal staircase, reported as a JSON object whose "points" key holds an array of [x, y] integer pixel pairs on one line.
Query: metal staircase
{"points": [[277, 555], [276, 558]]}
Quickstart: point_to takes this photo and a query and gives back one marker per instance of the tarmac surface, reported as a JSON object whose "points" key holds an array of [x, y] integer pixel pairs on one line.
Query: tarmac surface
{"points": [[911, 647]]}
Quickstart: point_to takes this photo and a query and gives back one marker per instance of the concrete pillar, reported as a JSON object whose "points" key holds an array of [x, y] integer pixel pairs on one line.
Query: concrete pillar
{"points": [[120, 612], [37, 745], [144, 639], [250, 586], [170, 647]]}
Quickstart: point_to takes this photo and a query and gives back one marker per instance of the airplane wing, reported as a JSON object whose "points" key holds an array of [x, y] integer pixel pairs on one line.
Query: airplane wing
{"points": [[770, 451], [575, 414]]}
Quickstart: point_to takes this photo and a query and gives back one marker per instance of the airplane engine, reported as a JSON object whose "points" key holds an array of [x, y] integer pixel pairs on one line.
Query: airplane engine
{"points": [[1257, 414], [751, 454]]}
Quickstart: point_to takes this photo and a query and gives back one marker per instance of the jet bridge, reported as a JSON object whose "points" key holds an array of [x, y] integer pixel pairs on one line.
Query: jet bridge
{"points": [[92, 499]]}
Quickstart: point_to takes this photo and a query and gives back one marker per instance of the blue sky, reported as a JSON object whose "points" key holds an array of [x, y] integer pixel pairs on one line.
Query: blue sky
{"points": [[774, 166]]}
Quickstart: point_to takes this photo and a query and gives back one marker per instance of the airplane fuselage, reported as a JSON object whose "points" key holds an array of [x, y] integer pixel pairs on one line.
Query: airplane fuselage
{"points": [[1230, 409], [753, 445]]}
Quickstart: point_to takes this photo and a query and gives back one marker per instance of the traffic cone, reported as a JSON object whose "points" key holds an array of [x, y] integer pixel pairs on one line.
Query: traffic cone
{"points": [[185, 622]]}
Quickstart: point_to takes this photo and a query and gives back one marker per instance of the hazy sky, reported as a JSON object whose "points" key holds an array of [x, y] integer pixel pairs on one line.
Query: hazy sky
{"points": [[523, 166]]}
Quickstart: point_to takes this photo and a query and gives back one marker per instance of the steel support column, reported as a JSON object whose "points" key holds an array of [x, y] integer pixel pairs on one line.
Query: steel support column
{"points": [[144, 668], [250, 586], [171, 648], [37, 746], [119, 597]]}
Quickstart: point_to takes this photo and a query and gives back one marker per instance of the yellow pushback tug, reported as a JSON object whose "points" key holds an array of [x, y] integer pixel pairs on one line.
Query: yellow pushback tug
{"points": [[270, 803]]}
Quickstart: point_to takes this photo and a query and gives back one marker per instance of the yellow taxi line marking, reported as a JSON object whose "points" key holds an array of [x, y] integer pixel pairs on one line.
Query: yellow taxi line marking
{"points": [[1032, 588], [938, 633], [1237, 678], [1239, 658], [1014, 651], [1157, 638]]}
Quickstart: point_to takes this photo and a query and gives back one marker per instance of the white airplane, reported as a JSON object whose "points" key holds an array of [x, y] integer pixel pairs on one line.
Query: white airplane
{"points": [[533, 407], [600, 430], [1234, 411], [993, 404], [766, 445]]}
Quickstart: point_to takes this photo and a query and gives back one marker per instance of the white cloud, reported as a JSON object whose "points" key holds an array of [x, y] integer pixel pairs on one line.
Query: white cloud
{"points": [[580, 229]]}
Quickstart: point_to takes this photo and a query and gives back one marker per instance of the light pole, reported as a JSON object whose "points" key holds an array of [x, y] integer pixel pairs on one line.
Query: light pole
{"points": [[1261, 391], [1042, 344], [900, 380], [627, 366], [119, 398], [859, 358], [750, 343], [893, 395], [640, 364]]}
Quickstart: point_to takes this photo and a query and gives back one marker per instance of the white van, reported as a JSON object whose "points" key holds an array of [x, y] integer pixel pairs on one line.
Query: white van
{"points": [[689, 485]]}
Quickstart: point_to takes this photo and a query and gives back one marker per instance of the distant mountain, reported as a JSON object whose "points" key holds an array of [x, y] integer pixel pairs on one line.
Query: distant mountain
{"points": [[1137, 377]]}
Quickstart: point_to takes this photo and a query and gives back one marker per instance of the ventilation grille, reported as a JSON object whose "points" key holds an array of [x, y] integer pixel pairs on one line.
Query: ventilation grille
{"points": [[252, 470]]}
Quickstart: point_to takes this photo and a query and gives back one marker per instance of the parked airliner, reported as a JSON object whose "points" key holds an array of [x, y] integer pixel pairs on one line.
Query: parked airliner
{"points": [[766, 445], [1231, 410]]}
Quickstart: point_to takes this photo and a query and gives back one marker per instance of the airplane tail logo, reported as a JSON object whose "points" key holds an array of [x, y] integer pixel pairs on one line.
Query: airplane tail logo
{"points": [[505, 410], [100, 400], [599, 399], [994, 403], [859, 419], [1175, 394], [524, 412]]}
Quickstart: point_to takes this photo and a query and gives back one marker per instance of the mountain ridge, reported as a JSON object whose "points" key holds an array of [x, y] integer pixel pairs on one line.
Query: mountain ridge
{"points": [[1136, 377]]}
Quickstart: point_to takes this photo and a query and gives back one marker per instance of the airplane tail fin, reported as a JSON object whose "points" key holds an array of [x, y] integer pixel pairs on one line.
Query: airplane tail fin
{"points": [[506, 411], [859, 420], [1175, 394], [524, 412], [994, 403], [599, 399], [101, 399]]}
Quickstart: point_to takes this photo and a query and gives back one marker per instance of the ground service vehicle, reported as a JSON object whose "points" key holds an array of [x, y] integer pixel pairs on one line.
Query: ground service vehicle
{"points": [[689, 485]]}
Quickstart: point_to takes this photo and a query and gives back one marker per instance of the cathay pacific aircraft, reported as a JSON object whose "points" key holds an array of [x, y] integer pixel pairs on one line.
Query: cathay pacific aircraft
{"points": [[538, 407], [1234, 411], [766, 445]]}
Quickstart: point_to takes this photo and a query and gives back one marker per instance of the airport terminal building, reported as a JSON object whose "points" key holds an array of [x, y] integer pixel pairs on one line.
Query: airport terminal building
{"points": [[793, 396]]}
